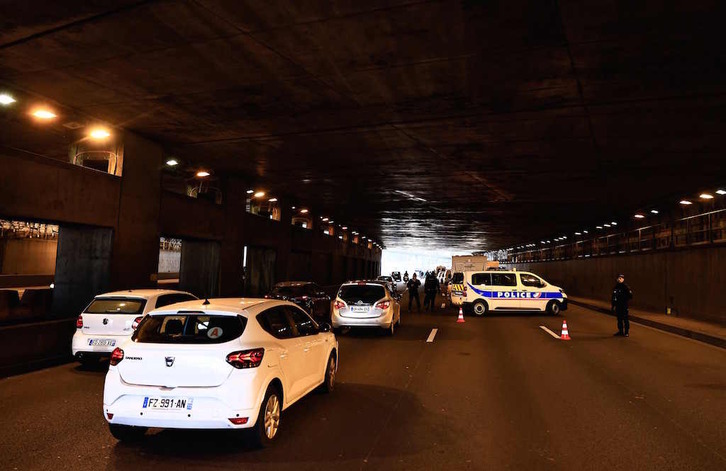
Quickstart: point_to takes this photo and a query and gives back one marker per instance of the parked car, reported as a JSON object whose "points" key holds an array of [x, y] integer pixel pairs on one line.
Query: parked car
{"points": [[366, 304], [218, 364], [396, 275], [111, 318], [389, 281], [305, 294]]}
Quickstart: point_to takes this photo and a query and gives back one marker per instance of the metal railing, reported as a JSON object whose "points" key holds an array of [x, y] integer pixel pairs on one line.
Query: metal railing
{"points": [[702, 229]]}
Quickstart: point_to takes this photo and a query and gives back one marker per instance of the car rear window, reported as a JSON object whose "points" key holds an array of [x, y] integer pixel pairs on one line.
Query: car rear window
{"points": [[116, 306], [457, 278], [368, 294], [189, 328], [288, 291]]}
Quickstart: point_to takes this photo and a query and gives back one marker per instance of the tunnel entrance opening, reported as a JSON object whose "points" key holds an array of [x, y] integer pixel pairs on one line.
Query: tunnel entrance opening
{"points": [[167, 275]]}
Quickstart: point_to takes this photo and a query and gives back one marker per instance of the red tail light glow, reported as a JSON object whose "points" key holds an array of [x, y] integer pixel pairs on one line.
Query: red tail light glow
{"points": [[116, 356], [79, 322], [383, 305], [339, 304], [238, 420], [246, 358], [135, 324], [109, 415]]}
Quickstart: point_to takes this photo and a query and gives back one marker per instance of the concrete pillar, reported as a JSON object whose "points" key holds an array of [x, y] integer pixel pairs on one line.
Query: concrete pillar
{"points": [[232, 248], [82, 267], [136, 242]]}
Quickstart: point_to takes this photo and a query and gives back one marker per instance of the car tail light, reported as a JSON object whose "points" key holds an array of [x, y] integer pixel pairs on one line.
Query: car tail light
{"points": [[116, 356], [135, 324], [339, 304], [238, 420], [246, 358], [79, 322], [383, 305], [109, 415]]}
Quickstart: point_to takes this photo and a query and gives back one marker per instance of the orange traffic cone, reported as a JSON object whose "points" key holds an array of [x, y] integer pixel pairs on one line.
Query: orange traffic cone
{"points": [[461, 315], [565, 334]]}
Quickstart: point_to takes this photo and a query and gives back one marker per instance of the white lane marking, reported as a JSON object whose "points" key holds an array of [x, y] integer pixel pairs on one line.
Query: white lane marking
{"points": [[432, 335], [549, 332]]}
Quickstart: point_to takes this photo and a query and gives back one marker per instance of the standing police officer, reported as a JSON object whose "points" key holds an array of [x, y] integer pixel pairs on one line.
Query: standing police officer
{"points": [[413, 285], [621, 295]]}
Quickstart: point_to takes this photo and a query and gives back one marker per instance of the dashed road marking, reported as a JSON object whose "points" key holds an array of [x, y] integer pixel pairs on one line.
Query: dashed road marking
{"points": [[549, 332], [432, 335]]}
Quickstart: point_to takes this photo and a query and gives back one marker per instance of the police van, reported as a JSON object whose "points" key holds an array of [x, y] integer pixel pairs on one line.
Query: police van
{"points": [[486, 291]]}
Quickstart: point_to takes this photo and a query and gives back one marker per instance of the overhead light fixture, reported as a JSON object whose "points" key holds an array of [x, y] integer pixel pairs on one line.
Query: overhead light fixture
{"points": [[685, 202], [585, 232], [345, 228], [272, 200], [606, 225], [6, 99], [293, 208], [721, 192], [304, 211], [578, 233], [249, 192], [706, 196], [99, 134], [172, 162], [259, 194], [203, 174], [654, 211], [332, 222], [614, 223], [42, 113], [325, 219], [598, 227], [639, 216]]}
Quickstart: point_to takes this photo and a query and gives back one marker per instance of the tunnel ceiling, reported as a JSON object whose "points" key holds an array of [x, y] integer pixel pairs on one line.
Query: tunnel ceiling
{"points": [[459, 124]]}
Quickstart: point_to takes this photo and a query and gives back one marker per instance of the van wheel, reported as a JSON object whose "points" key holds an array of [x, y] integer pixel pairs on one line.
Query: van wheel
{"points": [[126, 433], [554, 308], [268, 418], [480, 308]]}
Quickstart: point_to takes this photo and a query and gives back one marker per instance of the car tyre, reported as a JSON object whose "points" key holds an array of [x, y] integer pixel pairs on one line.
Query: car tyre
{"points": [[268, 419], [480, 308], [554, 308], [331, 369], [127, 433]]}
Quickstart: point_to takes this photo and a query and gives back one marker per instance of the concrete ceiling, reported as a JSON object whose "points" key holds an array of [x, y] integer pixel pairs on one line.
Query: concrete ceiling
{"points": [[457, 124]]}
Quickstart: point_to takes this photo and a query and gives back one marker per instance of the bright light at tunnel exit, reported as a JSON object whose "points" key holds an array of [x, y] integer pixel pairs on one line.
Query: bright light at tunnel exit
{"points": [[414, 259]]}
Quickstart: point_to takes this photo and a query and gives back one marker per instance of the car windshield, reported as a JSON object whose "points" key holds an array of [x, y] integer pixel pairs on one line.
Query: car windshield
{"points": [[457, 278], [116, 306], [189, 328], [367, 294], [288, 291]]}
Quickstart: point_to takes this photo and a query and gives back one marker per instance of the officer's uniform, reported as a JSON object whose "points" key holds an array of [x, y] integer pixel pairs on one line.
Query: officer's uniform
{"points": [[621, 295], [413, 285]]}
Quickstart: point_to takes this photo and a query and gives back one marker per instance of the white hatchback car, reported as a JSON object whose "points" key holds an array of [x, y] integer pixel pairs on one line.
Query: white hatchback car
{"points": [[366, 304], [217, 364], [110, 319]]}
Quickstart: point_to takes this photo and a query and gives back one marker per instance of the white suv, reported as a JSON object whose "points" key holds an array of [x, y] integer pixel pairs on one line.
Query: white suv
{"points": [[110, 319], [217, 364]]}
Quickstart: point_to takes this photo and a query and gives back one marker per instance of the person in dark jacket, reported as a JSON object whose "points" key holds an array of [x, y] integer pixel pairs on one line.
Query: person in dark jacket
{"points": [[431, 287], [413, 285], [405, 277], [621, 296]]}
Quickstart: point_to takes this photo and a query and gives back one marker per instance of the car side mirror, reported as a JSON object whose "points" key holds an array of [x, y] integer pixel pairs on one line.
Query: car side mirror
{"points": [[325, 327]]}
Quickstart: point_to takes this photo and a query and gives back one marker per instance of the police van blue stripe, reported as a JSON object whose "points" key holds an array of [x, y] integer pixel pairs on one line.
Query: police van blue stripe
{"points": [[517, 294]]}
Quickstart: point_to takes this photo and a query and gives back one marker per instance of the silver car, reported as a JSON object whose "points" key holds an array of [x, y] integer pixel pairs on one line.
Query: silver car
{"points": [[366, 304]]}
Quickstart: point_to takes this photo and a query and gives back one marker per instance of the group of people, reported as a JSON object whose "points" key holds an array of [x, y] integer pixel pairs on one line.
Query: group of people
{"points": [[431, 288]]}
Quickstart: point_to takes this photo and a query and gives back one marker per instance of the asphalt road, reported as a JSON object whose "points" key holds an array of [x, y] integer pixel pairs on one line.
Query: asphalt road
{"points": [[492, 393]]}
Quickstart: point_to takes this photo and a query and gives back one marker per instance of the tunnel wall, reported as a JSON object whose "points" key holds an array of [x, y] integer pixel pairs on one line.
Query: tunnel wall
{"points": [[690, 282]]}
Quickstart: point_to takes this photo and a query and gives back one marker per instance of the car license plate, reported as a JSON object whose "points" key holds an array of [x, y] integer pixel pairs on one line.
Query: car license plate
{"points": [[102, 342], [359, 309], [168, 403]]}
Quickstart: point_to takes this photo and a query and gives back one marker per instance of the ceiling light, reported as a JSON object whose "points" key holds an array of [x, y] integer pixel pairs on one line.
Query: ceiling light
{"points": [[332, 222], [706, 196], [639, 216], [249, 192], [99, 134], [304, 211], [203, 173], [606, 225], [325, 219], [172, 163], [598, 227], [259, 194], [654, 211], [272, 200], [585, 232], [685, 202], [721, 192], [614, 223], [578, 233], [345, 228], [42, 113], [6, 99]]}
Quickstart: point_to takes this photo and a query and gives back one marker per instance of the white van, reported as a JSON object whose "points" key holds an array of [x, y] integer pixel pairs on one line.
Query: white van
{"points": [[511, 291]]}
